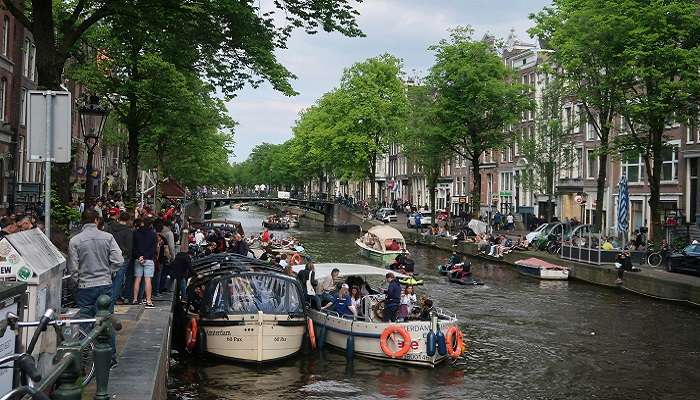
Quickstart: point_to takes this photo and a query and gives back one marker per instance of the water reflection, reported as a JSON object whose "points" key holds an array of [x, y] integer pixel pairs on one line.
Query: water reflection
{"points": [[528, 339]]}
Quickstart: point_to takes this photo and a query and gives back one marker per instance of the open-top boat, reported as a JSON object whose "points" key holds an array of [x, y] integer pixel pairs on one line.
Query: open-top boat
{"points": [[423, 342], [541, 269], [243, 309], [381, 242]]}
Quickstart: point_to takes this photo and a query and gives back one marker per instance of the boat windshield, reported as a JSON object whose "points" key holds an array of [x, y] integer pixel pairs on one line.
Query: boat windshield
{"points": [[248, 294]]}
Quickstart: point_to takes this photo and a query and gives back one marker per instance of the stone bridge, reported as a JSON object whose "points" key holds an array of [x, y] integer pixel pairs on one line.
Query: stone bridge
{"points": [[334, 215]]}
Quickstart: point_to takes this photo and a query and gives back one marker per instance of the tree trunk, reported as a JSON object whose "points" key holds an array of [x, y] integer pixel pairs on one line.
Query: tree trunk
{"points": [[476, 189], [372, 177], [132, 165], [432, 187], [654, 177], [600, 184]]}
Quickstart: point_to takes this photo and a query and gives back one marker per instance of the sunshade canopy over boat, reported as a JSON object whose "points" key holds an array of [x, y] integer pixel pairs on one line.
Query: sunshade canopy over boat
{"points": [[324, 270], [383, 236]]}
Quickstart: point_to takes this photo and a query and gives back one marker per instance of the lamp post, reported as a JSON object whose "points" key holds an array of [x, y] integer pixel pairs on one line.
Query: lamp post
{"points": [[92, 121]]}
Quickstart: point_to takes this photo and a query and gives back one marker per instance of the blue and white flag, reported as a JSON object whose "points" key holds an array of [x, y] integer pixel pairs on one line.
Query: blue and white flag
{"points": [[623, 200]]}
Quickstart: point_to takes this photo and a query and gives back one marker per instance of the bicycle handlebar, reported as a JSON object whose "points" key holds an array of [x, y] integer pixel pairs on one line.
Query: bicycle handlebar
{"points": [[22, 390], [27, 364], [41, 327]]}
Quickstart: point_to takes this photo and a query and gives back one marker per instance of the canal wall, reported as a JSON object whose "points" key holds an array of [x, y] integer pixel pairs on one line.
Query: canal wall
{"points": [[648, 282], [143, 352]]}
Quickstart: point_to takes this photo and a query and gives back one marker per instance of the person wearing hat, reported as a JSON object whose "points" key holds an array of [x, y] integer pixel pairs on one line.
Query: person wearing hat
{"points": [[342, 302]]}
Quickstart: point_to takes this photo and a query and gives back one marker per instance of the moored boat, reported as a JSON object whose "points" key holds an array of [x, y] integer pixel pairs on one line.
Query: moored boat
{"points": [[243, 310], [541, 269], [415, 341], [381, 242]]}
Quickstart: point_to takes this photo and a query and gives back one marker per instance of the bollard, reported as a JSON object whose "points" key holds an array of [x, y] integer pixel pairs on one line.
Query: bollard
{"points": [[67, 382], [103, 348]]}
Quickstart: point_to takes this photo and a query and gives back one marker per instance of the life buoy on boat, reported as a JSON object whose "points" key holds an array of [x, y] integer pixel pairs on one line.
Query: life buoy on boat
{"points": [[454, 349], [296, 259], [191, 334], [384, 341], [312, 334]]}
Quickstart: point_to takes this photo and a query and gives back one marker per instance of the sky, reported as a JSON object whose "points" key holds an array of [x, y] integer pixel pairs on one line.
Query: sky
{"points": [[404, 28]]}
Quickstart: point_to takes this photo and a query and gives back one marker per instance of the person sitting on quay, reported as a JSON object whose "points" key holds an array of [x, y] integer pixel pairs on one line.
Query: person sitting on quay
{"points": [[92, 257], [607, 245]]}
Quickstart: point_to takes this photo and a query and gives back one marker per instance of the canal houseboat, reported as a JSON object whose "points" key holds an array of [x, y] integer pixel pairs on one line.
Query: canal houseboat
{"points": [[415, 342], [242, 309], [382, 243], [540, 269]]}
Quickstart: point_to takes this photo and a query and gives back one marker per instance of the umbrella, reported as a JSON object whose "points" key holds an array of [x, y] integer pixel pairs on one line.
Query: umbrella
{"points": [[623, 200], [479, 227]]}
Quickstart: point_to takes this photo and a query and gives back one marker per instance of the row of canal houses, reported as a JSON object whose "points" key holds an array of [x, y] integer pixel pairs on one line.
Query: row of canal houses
{"points": [[575, 186], [20, 180]]}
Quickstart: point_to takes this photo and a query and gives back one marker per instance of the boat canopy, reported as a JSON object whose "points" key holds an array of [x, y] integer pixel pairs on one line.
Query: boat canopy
{"points": [[384, 238], [224, 223], [249, 293], [324, 270]]}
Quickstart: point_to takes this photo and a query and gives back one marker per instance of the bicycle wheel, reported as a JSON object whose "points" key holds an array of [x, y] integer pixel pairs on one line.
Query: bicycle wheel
{"points": [[87, 364], [654, 259]]}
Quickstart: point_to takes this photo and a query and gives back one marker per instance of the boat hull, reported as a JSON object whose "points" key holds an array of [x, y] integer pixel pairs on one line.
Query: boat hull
{"points": [[543, 273], [386, 258], [367, 338], [255, 338]]}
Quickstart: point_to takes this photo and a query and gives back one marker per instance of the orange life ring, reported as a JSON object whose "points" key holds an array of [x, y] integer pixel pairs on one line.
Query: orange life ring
{"points": [[454, 350], [384, 341], [312, 334], [296, 259], [191, 334]]}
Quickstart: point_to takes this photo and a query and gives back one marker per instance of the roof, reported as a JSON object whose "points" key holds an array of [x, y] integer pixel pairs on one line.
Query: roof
{"points": [[384, 232], [172, 189], [324, 270]]}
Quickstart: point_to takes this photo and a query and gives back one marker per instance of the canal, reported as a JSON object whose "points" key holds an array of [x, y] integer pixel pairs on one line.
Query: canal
{"points": [[528, 340]]}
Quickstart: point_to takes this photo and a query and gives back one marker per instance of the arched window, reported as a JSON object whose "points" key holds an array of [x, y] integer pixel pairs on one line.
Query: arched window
{"points": [[3, 98], [5, 34]]}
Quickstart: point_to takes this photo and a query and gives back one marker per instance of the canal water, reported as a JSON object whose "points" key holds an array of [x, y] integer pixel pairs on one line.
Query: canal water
{"points": [[527, 340]]}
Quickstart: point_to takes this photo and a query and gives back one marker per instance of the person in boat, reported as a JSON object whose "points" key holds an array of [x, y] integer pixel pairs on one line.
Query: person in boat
{"points": [[265, 236], [393, 297], [283, 260], [289, 271], [327, 288], [393, 245], [408, 302], [356, 297], [307, 278], [342, 302], [240, 246], [454, 259], [426, 309], [404, 263]]}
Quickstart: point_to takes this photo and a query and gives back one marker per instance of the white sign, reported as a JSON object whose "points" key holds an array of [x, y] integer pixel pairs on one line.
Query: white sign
{"points": [[12, 266], [283, 195], [60, 121]]}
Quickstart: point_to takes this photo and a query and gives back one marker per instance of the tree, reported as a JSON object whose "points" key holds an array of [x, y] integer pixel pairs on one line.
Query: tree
{"points": [[421, 141], [588, 39], [475, 99], [230, 43], [550, 151], [661, 81], [373, 107]]}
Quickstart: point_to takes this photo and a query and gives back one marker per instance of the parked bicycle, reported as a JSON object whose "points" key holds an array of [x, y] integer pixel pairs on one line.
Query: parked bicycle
{"points": [[656, 258]]}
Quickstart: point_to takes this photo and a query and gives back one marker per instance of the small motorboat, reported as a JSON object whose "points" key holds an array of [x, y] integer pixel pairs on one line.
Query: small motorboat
{"points": [[541, 269], [413, 341], [274, 222], [243, 207], [463, 278], [381, 242], [443, 269]]}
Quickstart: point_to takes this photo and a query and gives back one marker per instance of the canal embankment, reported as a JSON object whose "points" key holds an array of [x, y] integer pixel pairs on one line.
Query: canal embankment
{"points": [[648, 282]]}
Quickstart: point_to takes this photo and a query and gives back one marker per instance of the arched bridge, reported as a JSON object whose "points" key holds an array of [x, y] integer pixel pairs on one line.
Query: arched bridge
{"points": [[335, 215]]}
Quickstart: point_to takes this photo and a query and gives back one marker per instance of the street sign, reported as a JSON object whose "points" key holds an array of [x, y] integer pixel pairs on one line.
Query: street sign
{"points": [[57, 117]]}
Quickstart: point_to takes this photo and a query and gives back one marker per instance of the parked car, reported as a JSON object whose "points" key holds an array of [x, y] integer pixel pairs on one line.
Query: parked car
{"points": [[425, 220], [687, 260], [386, 214]]}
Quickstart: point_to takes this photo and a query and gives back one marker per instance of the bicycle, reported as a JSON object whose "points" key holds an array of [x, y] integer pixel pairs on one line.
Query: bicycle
{"points": [[657, 257]]}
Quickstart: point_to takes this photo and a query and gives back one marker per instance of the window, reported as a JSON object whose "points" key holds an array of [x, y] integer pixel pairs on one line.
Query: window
{"points": [[503, 155], [690, 135], [669, 169], [578, 118], [23, 107], [5, 34], [510, 154], [506, 181], [533, 80], [578, 162], [32, 62], [20, 165], [3, 98], [25, 57], [592, 164], [590, 131], [633, 167], [568, 117]]}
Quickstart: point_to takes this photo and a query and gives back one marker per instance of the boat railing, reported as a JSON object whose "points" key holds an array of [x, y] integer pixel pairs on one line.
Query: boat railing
{"points": [[441, 311]]}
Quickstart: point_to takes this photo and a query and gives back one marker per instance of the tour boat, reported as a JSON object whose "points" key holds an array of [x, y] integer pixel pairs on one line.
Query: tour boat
{"points": [[273, 222], [414, 342], [244, 207], [540, 269], [376, 244], [244, 310]]}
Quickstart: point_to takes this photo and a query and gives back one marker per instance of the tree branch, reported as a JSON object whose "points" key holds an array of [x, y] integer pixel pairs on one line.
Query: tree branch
{"points": [[76, 13], [73, 34], [18, 14]]}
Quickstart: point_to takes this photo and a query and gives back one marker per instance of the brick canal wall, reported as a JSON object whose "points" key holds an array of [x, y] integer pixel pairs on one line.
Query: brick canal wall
{"points": [[649, 282]]}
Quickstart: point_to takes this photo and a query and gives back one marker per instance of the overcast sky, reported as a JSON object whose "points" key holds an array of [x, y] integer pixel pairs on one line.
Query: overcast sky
{"points": [[404, 28]]}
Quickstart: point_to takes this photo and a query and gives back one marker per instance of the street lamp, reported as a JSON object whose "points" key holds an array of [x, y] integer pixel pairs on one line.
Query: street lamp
{"points": [[92, 122]]}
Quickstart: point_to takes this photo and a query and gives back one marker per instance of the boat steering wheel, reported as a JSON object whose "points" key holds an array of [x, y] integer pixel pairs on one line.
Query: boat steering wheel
{"points": [[378, 309]]}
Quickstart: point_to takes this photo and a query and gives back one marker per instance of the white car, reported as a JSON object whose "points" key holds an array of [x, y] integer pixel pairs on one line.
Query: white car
{"points": [[386, 214], [532, 236], [425, 220]]}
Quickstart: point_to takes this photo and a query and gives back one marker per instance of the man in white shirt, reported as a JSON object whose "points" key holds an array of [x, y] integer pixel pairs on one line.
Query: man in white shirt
{"points": [[283, 261], [326, 286]]}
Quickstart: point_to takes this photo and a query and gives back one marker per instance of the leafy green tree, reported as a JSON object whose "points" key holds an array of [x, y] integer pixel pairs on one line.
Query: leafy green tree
{"points": [[588, 39], [550, 151], [422, 142], [475, 99]]}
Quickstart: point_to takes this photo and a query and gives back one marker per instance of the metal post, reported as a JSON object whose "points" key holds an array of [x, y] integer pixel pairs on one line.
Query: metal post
{"points": [[47, 163], [67, 383], [103, 348]]}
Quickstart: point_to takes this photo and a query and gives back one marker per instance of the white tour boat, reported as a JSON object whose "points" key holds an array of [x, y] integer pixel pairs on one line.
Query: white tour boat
{"points": [[415, 342], [244, 310], [381, 242], [541, 269]]}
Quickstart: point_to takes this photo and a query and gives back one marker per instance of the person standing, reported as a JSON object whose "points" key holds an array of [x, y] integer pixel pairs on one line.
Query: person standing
{"points": [[307, 278], [393, 298], [418, 222], [92, 256], [144, 252], [124, 235], [510, 220], [181, 267]]}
